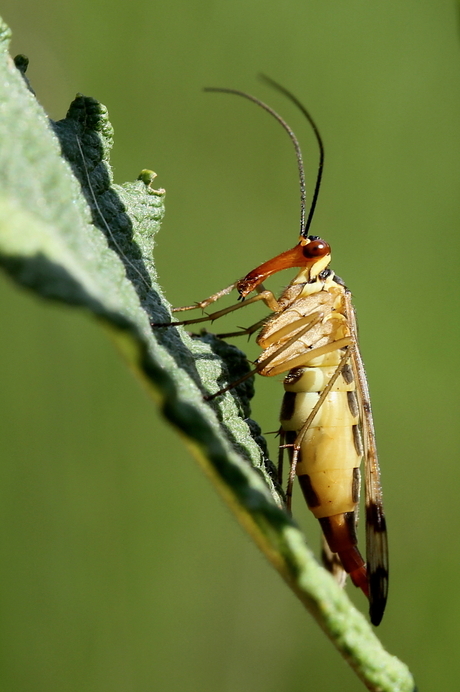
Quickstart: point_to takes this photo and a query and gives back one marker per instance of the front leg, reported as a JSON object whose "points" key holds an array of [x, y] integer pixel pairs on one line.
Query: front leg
{"points": [[266, 296], [212, 299]]}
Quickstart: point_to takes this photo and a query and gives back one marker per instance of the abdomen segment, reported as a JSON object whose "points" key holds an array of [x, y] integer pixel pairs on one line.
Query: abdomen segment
{"points": [[330, 454]]}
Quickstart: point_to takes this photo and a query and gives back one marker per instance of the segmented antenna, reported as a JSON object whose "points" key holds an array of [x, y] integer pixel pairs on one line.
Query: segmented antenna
{"points": [[304, 225]]}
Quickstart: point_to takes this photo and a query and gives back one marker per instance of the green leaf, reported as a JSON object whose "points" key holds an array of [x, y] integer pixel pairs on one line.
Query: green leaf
{"points": [[68, 233]]}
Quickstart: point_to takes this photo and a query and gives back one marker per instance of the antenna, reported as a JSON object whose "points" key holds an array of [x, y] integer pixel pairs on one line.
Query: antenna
{"points": [[304, 226], [319, 175]]}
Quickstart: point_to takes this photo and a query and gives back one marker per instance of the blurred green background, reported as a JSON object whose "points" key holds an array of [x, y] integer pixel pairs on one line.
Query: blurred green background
{"points": [[120, 569]]}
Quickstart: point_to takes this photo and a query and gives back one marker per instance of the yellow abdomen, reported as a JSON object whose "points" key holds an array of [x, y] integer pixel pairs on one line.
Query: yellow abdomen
{"points": [[331, 449]]}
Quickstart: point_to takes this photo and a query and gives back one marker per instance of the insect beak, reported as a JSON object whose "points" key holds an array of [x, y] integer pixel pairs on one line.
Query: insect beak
{"points": [[286, 260]]}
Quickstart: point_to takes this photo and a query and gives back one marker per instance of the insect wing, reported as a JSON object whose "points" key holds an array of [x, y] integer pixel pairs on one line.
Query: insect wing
{"points": [[376, 533]]}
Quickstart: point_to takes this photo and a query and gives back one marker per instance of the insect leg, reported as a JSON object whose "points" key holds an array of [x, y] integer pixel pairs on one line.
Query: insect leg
{"points": [[207, 301], [244, 330], [315, 317], [266, 296], [294, 458], [281, 448]]}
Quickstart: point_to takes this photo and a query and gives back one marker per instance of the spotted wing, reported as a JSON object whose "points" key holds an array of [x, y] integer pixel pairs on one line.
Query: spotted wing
{"points": [[376, 533]]}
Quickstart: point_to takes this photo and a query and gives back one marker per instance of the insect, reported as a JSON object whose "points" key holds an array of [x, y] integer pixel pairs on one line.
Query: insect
{"points": [[326, 417]]}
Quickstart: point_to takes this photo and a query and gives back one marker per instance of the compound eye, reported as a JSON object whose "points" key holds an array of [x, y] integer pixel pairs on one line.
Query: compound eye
{"points": [[316, 249]]}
